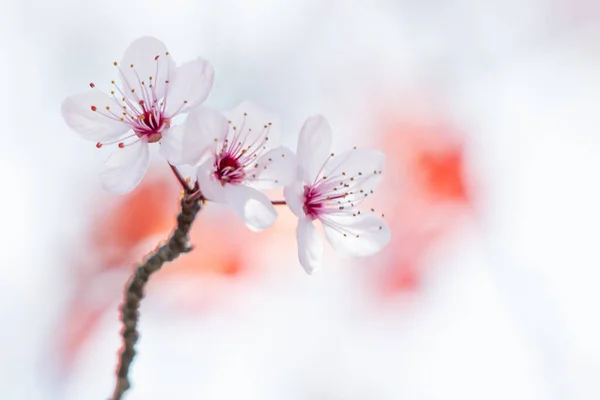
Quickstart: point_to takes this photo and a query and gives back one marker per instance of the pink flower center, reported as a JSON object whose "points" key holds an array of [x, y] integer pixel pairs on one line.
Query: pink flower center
{"points": [[141, 104], [237, 157], [313, 203], [149, 124], [228, 169], [317, 202], [338, 193]]}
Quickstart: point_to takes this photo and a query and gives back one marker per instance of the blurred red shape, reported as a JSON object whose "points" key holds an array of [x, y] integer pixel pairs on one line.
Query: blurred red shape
{"points": [[119, 237], [425, 193]]}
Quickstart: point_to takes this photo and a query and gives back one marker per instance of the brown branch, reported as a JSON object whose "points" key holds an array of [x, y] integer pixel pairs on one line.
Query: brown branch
{"points": [[177, 244]]}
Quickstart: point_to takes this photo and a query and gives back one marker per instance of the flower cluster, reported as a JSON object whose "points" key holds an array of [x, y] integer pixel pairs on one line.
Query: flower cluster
{"points": [[236, 154]]}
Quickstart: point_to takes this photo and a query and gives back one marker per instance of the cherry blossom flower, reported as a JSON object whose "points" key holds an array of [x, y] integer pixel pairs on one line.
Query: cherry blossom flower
{"points": [[139, 110], [329, 187], [238, 155]]}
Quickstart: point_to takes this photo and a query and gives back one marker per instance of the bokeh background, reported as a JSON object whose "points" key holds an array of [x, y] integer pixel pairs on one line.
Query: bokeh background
{"points": [[488, 114]]}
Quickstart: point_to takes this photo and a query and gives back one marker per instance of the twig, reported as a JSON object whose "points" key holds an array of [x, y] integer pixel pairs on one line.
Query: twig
{"points": [[177, 244], [184, 185]]}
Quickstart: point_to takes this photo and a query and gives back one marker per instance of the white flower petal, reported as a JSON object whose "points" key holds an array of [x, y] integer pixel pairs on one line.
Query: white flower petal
{"points": [[253, 206], [149, 58], [171, 145], [210, 187], [203, 127], [310, 245], [364, 166], [254, 124], [190, 83], [93, 125], [294, 197], [275, 168], [125, 168], [366, 234], [314, 144]]}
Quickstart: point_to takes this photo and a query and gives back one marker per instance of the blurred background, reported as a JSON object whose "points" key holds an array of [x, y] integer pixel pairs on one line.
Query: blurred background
{"points": [[488, 114]]}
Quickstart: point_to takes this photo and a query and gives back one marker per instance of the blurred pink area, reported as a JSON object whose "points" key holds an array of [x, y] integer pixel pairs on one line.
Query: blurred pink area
{"points": [[125, 229], [427, 191], [490, 192]]}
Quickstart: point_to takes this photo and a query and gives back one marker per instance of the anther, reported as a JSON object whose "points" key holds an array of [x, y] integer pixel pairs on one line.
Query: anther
{"points": [[92, 85], [156, 58], [121, 145], [115, 63], [93, 108], [98, 145], [131, 66]]}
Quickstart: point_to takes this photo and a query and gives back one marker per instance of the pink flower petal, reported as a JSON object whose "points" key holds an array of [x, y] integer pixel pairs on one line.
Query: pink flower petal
{"points": [[204, 127], [149, 58], [125, 168], [252, 206], [314, 144], [210, 187], [294, 197], [78, 112], [254, 124], [310, 245], [356, 236], [189, 86], [364, 166], [275, 168]]}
